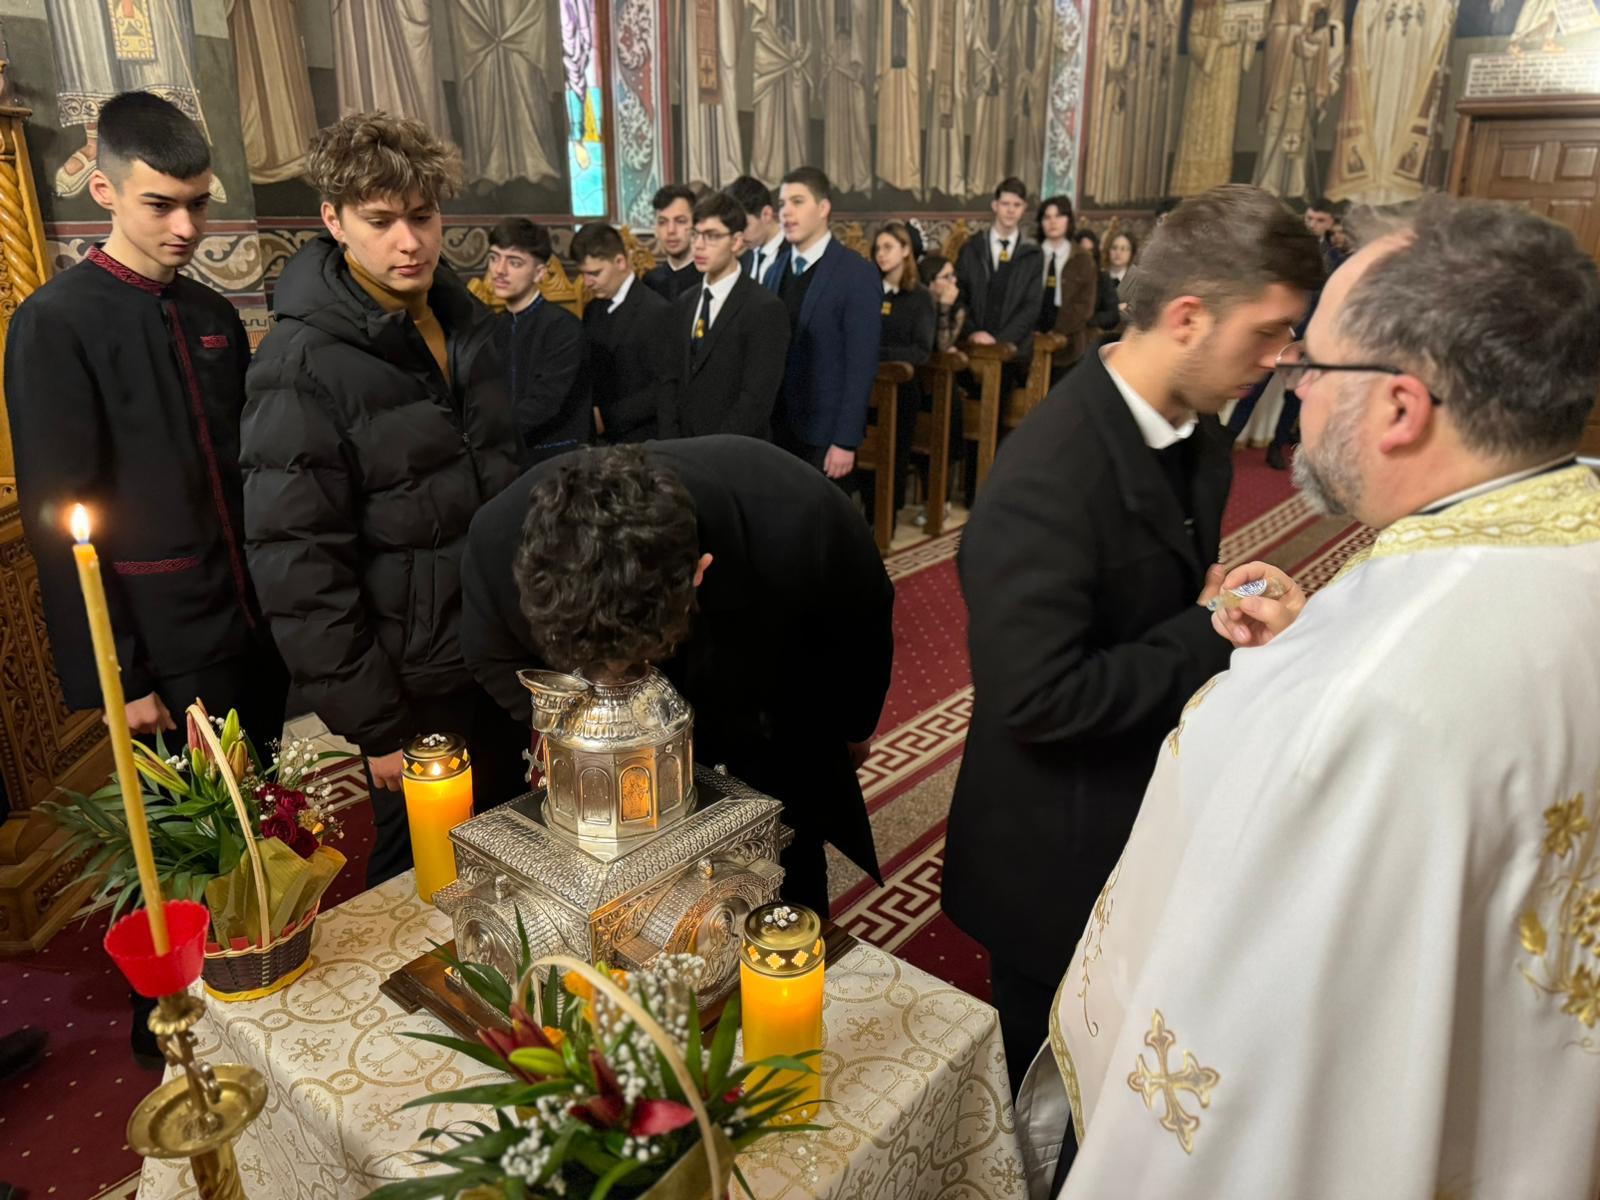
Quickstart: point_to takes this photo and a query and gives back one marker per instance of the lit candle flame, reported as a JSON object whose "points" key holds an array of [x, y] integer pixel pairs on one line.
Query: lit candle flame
{"points": [[80, 523], [436, 769]]}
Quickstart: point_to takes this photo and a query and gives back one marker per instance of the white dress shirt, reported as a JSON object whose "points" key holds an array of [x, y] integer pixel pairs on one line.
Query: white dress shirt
{"points": [[765, 256], [1157, 431], [719, 292], [994, 245], [1062, 248], [622, 294], [811, 255]]}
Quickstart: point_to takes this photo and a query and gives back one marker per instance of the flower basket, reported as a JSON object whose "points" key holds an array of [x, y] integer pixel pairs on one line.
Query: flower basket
{"points": [[254, 969], [695, 1176]]}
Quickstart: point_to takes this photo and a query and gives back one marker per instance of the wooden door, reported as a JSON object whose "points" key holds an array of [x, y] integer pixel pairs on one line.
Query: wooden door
{"points": [[1543, 153]]}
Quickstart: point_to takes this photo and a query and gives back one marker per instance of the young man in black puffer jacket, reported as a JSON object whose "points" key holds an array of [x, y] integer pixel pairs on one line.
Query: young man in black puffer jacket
{"points": [[376, 425]]}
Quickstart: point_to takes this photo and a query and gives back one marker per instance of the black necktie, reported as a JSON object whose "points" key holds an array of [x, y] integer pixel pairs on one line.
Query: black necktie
{"points": [[760, 254], [1005, 250], [1055, 274], [702, 323]]}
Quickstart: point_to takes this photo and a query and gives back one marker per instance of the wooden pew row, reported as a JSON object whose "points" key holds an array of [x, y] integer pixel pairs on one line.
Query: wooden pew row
{"points": [[876, 452]]}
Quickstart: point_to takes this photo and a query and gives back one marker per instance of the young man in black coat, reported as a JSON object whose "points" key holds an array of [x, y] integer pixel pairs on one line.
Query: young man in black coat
{"points": [[631, 368], [377, 425], [676, 273], [541, 345], [1001, 277], [734, 334], [125, 383], [745, 576], [1085, 571]]}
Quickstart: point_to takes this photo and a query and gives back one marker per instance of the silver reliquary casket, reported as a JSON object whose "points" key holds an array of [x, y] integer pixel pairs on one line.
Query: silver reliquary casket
{"points": [[627, 851]]}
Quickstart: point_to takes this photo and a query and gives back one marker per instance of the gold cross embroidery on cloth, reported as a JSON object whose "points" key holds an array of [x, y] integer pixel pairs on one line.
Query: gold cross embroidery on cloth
{"points": [[1161, 1081]]}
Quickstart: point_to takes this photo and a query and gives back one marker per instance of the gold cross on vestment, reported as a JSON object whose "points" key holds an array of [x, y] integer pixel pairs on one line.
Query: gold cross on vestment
{"points": [[1193, 1078]]}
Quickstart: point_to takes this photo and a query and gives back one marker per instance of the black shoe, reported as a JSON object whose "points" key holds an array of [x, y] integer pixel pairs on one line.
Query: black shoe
{"points": [[21, 1049], [146, 1050], [1275, 458]]}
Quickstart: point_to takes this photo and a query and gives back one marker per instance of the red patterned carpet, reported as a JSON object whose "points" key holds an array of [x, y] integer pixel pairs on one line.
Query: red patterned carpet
{"points": [[61, 1126]]}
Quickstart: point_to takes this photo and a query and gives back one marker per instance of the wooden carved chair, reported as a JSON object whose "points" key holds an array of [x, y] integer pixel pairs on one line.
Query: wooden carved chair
{"points": [[640, 256], [852, 237], [1023, 400], [557, 287], [876, 452], [959, 233], [932, 437], [980, 416]]}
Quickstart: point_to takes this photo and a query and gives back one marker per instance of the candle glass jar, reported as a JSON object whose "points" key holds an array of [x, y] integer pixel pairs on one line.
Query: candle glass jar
{"points": [[438, 791], [780, 985]]}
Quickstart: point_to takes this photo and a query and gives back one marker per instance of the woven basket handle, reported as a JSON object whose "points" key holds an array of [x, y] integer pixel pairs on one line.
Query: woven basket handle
{"points": [[658, 1035], [208, 735]]}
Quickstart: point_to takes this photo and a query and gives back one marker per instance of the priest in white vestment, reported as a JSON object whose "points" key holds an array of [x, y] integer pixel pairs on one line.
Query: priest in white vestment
{"points": [[1352, 947]]}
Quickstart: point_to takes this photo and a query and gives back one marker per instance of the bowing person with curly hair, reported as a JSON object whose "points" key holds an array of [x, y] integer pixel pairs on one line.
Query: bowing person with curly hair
{"points": [[736, 569]]}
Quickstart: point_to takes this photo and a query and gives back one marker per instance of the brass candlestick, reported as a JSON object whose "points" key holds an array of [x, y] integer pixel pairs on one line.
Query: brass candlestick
{"points": [[202, 1112]]}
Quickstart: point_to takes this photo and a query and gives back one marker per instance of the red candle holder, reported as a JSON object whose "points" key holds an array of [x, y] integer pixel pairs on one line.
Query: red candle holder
{"points": [[151, 974]]}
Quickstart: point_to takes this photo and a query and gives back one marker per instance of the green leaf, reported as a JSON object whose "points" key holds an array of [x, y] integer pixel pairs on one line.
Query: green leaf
{"points": [[473, 1050], [694, 1055], [550, 999], [722, 1046], [737, 1174], [612, 1177]]}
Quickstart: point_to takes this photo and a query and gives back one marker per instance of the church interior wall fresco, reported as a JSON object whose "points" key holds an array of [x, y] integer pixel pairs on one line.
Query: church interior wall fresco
{"points": [[1349, 99], [582, 108]]}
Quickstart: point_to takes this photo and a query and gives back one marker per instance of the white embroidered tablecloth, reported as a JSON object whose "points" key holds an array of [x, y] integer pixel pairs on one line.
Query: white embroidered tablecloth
{"points": [[919, 1107]]}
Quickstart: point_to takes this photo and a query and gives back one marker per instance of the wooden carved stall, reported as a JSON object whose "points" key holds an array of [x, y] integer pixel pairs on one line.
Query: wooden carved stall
{"points": [[43, 746], [1538, 151]]}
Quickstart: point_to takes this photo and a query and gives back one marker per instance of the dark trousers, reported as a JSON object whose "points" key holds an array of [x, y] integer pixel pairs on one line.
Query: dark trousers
{"points": [[805, 873], [1284, 432], [815, 455], [499, 772], [256, 683], [1024, 1006]]}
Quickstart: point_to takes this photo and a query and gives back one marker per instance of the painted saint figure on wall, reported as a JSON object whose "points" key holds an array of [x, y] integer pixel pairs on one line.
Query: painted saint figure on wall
{"points": [[846, 91], [276, 112], [505, 74], [1030, 99], [992, 50], [713, 150], [899, 95], [383, 58], [124, 45], [1219, 51], [782, 80], [948, 49], [1304, 63]]}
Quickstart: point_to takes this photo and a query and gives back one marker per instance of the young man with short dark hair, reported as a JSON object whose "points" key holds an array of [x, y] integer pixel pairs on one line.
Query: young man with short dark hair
{"points": [[630, 369], [1084, 567], [1002, 278], [540, 343], [834, 298], [674, 274], [124, 382], [377, 425], [733, 334], [125, 385], [763, 235]]}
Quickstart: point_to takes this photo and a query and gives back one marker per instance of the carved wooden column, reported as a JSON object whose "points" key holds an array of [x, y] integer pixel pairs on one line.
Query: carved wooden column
{"points": [[43, 746]]}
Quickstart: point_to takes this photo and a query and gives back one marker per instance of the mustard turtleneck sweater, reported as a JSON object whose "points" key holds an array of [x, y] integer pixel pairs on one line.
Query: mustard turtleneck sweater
{"points": [[416, 305]]}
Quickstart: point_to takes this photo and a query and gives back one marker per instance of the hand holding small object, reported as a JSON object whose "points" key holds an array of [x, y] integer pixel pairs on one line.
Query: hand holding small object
{"points": [[1257, 603]]}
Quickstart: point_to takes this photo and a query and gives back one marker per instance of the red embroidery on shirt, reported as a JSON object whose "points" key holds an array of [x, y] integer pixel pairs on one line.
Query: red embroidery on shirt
{"points": [[214, 341], [127, 274], [157, 566]]}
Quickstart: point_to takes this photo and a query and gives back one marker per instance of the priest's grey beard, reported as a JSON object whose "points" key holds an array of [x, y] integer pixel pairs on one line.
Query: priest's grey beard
{"points": [[1329, 477]]}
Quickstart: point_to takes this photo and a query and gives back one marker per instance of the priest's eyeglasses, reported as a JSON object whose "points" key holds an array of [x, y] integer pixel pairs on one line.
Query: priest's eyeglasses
{"points": [[1298, 370]]}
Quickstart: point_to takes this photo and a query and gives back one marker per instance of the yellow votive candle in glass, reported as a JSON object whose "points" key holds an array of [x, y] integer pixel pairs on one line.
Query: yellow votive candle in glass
{"points": [[110, 671], [438, 789], [780, 990]]}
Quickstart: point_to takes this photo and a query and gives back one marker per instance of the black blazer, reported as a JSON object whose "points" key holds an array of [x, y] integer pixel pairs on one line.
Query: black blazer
{"points": [[1080, 579], [1107, 305], [789, 552], [731, 384], [909, 327], [631, 372], [670, 284], [1013, 319], [542, 347]]}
